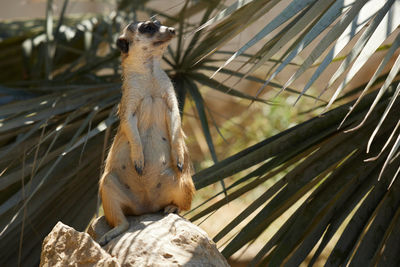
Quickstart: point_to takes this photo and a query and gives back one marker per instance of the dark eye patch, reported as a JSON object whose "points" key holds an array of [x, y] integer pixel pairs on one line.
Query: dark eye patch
{"points": [[148, 27]]}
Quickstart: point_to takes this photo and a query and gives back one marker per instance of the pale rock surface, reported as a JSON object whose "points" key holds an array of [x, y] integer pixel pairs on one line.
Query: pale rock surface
{"points": [[152, 240], [65, 246], [160, 240]]}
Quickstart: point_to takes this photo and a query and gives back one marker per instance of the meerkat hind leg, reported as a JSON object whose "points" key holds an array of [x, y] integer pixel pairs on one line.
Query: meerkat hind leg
{"points": [[171, 209], [116, 231], [113, 198]]}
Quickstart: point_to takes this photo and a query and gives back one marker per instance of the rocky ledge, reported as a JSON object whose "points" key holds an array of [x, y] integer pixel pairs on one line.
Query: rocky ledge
{"points": [[152, 240]]}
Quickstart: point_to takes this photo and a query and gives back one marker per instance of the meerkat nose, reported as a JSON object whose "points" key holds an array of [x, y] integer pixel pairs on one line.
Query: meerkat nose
{"points": [[171, 30]]}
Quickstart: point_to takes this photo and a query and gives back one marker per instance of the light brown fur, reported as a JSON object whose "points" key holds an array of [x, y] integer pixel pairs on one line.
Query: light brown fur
{"points": [[148, 167]]}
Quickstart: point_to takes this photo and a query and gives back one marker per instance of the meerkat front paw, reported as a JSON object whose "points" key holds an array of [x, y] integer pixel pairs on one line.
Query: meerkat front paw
{"points": [[178, 157], [180, 166], [138, 163], [171, 209], [178, 161]]}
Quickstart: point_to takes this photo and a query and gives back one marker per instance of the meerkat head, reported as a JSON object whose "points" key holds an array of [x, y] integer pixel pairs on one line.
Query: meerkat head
{"points": [[147, 39]]}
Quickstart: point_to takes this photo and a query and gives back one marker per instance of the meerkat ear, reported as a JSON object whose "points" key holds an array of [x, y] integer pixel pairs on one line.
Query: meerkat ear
{"points": [[123, 44]]}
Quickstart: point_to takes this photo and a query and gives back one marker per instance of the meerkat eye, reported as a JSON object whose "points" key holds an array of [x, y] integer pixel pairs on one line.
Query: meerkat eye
{"points": [[157, 22], [149, 27]]}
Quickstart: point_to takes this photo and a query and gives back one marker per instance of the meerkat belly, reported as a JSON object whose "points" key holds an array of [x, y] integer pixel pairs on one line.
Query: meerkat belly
{"points": [[156, 149], [154, 135], [156, 185], [155, 188]]}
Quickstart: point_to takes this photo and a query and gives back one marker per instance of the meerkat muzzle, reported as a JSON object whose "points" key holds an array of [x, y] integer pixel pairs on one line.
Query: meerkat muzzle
{"points": [[166, 34], [172, 31]]}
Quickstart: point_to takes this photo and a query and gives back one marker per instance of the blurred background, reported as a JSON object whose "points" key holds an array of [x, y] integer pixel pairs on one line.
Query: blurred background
{"points": [[262, 160]]}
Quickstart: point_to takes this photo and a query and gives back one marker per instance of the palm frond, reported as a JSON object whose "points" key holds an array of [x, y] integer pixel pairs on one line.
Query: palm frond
{"points": [[371, 19], [325, 166], [59, 88]]}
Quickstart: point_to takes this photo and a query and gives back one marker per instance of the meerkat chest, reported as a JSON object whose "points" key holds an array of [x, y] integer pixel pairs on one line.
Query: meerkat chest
{"points": [[147, 87], [150, 98]]}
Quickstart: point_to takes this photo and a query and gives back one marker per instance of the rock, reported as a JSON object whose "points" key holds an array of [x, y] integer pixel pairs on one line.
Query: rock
{"points": [[160, 240], [152, 240], [64, 246]]}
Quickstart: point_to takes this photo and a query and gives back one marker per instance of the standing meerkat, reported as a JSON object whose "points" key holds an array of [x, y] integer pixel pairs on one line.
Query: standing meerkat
{"points": [[147, 168]]}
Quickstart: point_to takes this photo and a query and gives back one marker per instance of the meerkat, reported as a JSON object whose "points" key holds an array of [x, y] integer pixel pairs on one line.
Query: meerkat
{"points": [[147, 168]]}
